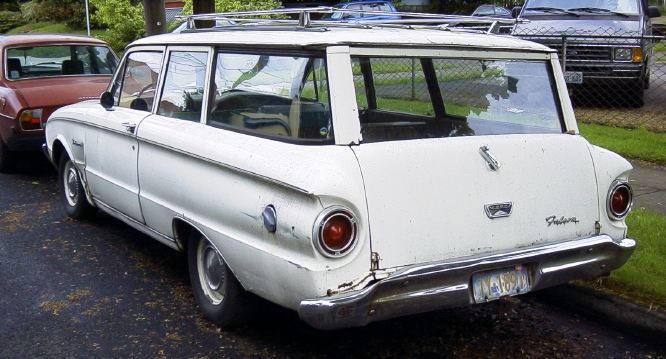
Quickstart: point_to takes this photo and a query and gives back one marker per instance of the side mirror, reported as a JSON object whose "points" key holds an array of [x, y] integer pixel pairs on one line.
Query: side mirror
{"points": [[106, 100], [653, 11], [516, 11]]}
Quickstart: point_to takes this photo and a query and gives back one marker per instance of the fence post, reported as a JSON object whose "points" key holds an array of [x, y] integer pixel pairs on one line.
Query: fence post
{"points": [[413, 79]]}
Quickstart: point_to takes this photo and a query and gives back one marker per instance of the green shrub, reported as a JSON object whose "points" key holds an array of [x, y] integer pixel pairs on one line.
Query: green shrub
{"points": [[10, 20], [30, 12], [238, 5], [10, 6], [71, 12], [122, 19]]}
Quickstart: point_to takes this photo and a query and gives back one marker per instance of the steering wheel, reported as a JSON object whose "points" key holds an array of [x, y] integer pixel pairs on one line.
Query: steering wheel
{"points": [[150, 85]]}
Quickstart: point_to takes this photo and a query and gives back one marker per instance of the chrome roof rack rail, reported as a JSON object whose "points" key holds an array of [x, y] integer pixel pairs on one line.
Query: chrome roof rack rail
{"points": [[490, 25]]}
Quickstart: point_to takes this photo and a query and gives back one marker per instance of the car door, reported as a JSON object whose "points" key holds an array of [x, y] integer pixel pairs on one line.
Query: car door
{"points": [[169, 136], [111, 146]]}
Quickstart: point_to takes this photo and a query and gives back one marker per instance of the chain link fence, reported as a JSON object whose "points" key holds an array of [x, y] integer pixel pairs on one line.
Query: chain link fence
{"points": [[613, 79]]}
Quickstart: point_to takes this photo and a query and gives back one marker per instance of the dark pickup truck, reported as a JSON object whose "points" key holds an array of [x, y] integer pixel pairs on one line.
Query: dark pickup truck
{"points": [[603, 44]]}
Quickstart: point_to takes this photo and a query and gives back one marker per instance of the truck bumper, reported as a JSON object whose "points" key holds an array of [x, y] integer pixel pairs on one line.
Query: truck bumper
{"points": [[432, 286]]}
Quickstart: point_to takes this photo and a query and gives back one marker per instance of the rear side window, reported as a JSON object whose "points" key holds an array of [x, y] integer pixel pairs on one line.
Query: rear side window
{"points": [[59, 60], [275, 96], [414, 98]]}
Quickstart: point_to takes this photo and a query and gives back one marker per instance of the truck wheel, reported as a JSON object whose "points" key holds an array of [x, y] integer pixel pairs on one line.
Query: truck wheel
{"points": [[8, 159], [635, 97], [221, 298], [71, 190]]}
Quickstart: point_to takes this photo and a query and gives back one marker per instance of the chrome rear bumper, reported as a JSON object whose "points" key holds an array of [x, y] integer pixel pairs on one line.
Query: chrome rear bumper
{"points": [[431, 286]]}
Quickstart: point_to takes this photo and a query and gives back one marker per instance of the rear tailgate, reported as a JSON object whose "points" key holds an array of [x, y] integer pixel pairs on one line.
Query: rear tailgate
{"points": [[432, 199]]}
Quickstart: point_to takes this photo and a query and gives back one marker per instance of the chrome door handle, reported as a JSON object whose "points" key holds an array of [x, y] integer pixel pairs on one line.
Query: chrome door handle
{"points": [[129, 126]]}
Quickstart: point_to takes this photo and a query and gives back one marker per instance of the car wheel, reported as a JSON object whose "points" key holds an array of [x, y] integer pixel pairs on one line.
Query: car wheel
{"points": [[71, 190], [8, 159], [218, 293]]}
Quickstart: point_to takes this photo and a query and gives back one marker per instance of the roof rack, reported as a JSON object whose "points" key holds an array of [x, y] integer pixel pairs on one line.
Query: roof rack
{"points": [[274, 17]]}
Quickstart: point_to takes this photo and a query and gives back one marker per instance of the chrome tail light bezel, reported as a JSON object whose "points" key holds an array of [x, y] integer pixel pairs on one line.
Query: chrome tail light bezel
{"points": [[317, 231], [616, 186]]}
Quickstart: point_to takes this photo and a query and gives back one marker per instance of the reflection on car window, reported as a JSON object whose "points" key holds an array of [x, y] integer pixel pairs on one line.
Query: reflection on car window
{"points": [[183, 88], [423, 98], [278, 96], [58, 60], [137, 87]]}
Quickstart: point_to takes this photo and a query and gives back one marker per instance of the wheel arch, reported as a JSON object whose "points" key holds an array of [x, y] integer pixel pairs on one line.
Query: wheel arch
{"points": [[56, 151], [183, 230]]}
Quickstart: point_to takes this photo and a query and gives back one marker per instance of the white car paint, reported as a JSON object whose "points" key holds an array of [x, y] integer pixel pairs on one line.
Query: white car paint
{"points": [[417, 202]]}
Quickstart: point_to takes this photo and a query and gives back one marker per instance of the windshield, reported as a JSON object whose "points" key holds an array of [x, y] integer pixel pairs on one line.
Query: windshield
{"points": [[595, 6]]}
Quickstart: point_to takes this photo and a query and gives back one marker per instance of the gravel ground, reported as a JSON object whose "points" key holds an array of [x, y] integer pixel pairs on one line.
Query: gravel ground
{"points": [[100, 289]]}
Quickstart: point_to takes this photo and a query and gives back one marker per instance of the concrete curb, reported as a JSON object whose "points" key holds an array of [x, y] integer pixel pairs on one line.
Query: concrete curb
{"points": [[636, 319]]}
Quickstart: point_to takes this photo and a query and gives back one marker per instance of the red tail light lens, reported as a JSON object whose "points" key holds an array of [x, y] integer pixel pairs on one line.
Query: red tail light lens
{"points": [[31, 120], [335, 232], [620, 200]]}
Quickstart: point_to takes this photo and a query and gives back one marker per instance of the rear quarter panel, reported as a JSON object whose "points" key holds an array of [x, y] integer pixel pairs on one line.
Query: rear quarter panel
{"points": [[221, 181]]}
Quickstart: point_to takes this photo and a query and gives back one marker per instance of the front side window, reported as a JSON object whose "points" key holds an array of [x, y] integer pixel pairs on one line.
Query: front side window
{"points": [[58, 60], [183, 87], [282, 97], [413, 98], [135, 89]]}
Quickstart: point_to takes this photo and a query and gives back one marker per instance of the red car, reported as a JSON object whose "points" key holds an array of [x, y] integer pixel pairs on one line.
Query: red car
{"points": [[40, 73]]}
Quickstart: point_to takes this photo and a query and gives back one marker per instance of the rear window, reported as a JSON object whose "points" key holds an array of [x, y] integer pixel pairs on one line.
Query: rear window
{"points": [[414, 98], [58, 60]]}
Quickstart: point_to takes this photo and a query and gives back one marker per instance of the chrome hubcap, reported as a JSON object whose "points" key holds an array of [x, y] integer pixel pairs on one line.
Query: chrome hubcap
{"points": [[71, 184], [211, 272]]}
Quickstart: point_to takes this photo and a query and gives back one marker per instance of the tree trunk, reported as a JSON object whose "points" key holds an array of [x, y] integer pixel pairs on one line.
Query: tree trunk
{"points": [[203, 7], [155, 17]]}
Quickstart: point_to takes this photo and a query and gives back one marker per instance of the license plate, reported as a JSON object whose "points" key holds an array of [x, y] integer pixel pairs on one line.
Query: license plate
{"points": [[571, 77], [493, 284]]}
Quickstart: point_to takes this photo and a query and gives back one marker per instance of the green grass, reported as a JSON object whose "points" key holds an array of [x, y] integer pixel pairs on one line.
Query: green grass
{"points": [[396, 67], [643, 278], [660, 47], [636, 143], [57, 28], [646, 269]]}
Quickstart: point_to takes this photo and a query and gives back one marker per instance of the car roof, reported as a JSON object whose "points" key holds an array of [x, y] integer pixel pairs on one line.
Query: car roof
{"points": [[357, 36], [300, 34], [362, 2], [44, 39]]}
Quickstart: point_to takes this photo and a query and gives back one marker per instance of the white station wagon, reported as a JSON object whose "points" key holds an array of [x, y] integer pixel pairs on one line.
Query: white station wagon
{"points": [[350, 172]]}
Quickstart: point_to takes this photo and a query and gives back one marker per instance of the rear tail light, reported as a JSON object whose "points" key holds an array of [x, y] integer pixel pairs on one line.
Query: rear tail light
{"points": [[31, 120], [620, 199], [335, 231]]}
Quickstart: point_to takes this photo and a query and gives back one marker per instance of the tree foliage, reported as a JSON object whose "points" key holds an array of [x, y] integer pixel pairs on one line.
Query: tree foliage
{"points": [[10, 20], [123, 20], [238, 5], [70, 12]]}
